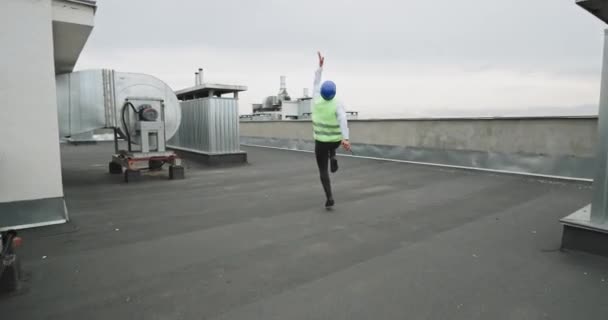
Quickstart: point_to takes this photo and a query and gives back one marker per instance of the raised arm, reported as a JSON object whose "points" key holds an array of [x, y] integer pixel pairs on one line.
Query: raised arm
{"points": [[316, 91]]}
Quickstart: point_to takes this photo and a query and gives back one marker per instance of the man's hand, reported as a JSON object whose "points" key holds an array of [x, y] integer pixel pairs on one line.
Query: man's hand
{"points": [[346, 144], [321, 59]]}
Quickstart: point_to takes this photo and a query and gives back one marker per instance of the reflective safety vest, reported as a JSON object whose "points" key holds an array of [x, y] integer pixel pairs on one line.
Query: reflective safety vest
{"points": [[325, 123]]}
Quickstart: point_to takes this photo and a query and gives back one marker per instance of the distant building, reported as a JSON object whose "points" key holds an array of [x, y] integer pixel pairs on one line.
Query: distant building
{"points": [[282, 107]]}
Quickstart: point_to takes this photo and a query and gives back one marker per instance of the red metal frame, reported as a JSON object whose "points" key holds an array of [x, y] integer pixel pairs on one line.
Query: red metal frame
{"points": [[167, 159]]}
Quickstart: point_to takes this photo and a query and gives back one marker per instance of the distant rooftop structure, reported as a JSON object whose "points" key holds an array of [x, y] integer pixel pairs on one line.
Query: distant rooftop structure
{"points": [[203, 90], [283, 107]]}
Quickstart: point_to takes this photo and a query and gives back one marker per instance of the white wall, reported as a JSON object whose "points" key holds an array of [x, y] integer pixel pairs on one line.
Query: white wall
{"points": [[29, 146]]}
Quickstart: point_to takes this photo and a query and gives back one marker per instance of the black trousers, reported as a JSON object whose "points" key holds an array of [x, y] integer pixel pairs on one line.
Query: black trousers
{"points": [[323, 152]]}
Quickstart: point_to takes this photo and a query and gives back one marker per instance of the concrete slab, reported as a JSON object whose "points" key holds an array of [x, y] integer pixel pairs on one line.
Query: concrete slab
{"points": [[211, 159], [253, 242], [580, 233], [582, 218]]}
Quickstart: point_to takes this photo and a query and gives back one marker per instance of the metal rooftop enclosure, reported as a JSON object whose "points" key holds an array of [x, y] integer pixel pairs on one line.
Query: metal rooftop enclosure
{"points": [[587, 228]]}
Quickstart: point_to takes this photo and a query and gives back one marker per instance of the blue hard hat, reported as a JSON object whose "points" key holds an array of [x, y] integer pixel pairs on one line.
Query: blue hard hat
{"points": [[328, 90]]}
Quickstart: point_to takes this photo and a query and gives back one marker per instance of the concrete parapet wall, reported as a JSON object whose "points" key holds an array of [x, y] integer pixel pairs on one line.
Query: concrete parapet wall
{"points": [[559, 146]]}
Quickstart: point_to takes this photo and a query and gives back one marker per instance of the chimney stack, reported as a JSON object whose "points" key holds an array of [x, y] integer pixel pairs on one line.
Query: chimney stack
{"points": [[200, 76], [196, 79]]}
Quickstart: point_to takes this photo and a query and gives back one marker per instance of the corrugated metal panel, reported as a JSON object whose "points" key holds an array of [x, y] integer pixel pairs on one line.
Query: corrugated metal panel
{"points": [[209, 125], [80, 102], [85, 89], [109, 96]]}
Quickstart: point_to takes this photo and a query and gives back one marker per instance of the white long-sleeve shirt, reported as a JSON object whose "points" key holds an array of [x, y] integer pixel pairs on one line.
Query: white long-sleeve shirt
{"points": [[341, 110]]}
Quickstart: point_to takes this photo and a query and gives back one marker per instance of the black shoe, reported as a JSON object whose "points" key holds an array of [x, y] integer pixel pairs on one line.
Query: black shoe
{"points": [[329, 203], [334, 164]]}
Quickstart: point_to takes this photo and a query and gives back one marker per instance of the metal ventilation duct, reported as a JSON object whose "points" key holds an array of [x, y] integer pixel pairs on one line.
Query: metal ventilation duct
{"points": [[93, 99]]}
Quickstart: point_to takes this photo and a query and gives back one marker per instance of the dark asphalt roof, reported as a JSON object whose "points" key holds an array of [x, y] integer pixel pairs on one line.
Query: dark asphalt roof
{"points": [[253, 242]]}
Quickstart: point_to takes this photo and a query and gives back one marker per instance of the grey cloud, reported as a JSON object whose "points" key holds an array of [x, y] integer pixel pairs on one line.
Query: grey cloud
{"points": [[520, 53], [507, 32]]}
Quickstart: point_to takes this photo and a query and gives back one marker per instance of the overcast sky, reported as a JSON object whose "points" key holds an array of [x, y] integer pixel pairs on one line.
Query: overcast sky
{"points": [[388, 57]]}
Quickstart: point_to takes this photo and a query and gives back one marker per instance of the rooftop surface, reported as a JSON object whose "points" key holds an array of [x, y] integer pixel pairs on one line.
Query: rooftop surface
{"points": [[252, 242]]}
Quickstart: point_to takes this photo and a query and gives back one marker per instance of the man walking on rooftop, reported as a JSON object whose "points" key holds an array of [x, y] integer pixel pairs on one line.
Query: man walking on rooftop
{"points": [[330, 128]]}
